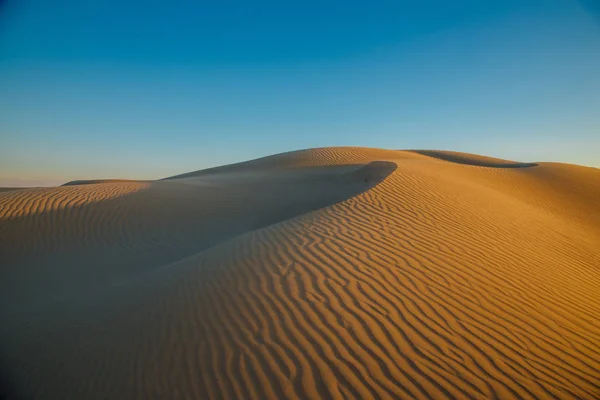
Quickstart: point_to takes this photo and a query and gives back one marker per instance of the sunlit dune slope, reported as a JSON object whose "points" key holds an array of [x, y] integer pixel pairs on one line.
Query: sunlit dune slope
{"points": [[433, 279]]}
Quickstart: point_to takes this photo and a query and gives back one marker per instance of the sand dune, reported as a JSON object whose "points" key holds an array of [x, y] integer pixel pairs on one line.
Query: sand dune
{"points": [[324, 273]]}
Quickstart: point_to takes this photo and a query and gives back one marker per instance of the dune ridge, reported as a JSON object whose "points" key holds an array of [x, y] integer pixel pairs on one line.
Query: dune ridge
{"points": [[473, 159], [442, 280], [322, 156]]}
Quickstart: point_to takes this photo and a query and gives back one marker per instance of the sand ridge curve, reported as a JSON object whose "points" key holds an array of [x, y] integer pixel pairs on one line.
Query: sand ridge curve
{"points": [[61, 242]]}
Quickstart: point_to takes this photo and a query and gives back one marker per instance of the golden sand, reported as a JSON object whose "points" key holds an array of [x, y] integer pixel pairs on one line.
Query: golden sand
{"points": [[324, 273]]}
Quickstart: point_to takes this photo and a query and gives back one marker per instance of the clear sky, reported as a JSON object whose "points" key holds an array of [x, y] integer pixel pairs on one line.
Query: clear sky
{"points": [[147, 89]]}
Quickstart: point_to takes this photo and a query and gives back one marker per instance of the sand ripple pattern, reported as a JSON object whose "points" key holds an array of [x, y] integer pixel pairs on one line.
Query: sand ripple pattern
{"points": [[20, 203], [444, 281]]}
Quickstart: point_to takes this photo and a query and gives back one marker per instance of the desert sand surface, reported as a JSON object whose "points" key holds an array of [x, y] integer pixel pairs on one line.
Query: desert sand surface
{"points": [[331, 273]]}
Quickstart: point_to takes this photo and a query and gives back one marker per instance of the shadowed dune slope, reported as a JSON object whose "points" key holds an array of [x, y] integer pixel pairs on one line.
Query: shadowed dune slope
{"points": [[64, 241], [444, 280]]}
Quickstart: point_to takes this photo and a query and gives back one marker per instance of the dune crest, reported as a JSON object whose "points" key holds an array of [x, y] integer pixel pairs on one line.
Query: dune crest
{"points": [[425, 280], [473, 159]]}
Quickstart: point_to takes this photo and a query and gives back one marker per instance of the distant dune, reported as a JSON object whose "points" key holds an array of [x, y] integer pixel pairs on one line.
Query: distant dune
{"points": [[324, 273], [10, 189], [91, 181]]}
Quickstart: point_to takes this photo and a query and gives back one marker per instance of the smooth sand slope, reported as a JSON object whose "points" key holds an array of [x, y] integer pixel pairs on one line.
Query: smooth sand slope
{"points": [[324, 273]]}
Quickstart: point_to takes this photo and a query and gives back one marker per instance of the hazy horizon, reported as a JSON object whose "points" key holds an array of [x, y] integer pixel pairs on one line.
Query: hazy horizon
{"points": [[113, 90]]}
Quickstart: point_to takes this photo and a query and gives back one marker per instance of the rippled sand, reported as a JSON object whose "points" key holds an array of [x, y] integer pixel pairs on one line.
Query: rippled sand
{"points": [[324, 273]]}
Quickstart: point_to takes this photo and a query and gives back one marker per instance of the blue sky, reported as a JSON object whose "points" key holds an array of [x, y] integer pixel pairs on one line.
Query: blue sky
{"points": [[94, 89]]}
